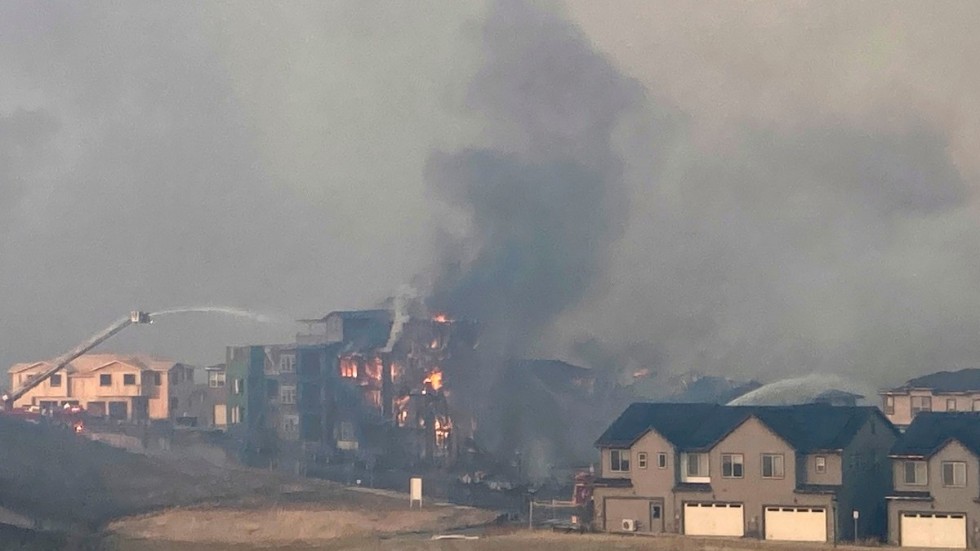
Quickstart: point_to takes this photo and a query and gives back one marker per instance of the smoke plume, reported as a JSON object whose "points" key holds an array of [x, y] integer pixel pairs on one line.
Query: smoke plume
{"points": [[546, 197]]}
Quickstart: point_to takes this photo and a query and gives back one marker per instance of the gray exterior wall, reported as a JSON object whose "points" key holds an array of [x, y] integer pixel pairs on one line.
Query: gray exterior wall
{"points": [[945, 500], [866, 481]]}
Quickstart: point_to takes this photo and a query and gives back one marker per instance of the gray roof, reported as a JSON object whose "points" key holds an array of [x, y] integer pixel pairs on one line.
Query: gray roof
{"points": [[930, 431], [963, 380], [696, 427]]}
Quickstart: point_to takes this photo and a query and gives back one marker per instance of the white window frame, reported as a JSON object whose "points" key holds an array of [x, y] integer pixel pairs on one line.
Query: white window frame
{"points": [[925, 404], [287, 363], [641, 460], [287, 394], [702, 472], [920, 473], [777, 466], [729, 462], [619, 460], [956, 468], [950, 401], [661, 460], [216, 379], [820, 464]]}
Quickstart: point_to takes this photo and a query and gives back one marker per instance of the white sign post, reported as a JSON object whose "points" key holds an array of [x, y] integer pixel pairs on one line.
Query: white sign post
{"points": [[415, 492], [856, 514]]}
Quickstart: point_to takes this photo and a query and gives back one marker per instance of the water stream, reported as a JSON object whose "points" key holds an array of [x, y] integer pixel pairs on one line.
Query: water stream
{"points": [[237, 312]]}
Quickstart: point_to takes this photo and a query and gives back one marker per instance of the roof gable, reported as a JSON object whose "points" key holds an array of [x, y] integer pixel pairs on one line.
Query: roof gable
{"points": [[932, 431]]}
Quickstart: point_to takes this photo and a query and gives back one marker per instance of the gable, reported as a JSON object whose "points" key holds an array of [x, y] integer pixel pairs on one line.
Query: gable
{"points": [[752, 429], [116, 366]]}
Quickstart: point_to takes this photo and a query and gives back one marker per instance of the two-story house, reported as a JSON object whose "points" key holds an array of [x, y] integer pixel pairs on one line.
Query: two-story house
{"points": [[942, 391], [119, 386], [783, 473], [936, 500]]}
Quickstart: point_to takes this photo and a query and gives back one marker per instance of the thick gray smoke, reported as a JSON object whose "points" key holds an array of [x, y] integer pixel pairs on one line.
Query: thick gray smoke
{"points": [[546, 197]]}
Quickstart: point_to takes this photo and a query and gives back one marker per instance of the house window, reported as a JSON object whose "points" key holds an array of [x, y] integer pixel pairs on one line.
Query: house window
{"points": [[236, 414], [820, 464], [216, 379], [129, 379], [157, 380], [290, 424], [661, 461], [772, 465], [55, 381], [641, 460], [950, 404], [916, 473], [619, 461], [287, 363], [921, 403], [889, 405], [732, 465], [346, 432], [105, 379], [954, 474], [976, 405], [287, 394], [348, 368], [696, 465], [238, 386]]}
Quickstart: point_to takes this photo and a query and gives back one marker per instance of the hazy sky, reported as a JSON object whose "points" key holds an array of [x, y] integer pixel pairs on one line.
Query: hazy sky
{"points": [[799, 177]]}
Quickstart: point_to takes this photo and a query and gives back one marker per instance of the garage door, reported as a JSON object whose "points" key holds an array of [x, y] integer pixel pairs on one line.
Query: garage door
{"points": [[714, 519], [934, 530], [796, 523]]}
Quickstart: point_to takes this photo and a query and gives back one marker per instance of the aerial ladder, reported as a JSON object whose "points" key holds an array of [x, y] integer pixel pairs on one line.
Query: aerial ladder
{"points": [[135, 317]]}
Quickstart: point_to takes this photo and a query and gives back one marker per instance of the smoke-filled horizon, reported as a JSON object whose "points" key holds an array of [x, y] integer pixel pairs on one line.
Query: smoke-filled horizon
{"points": [[762, 191]]}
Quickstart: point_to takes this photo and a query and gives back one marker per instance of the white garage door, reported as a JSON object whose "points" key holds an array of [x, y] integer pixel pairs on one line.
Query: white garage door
{"points": [[796, 523], [934, 530], [714, 519]]}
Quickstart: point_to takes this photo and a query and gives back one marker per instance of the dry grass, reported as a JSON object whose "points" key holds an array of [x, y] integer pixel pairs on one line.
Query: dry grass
{"points": [[291, 524], [544, 541]]}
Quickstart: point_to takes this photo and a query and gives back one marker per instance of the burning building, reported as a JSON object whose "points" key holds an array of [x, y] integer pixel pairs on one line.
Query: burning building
{"points": [[357, 386]]}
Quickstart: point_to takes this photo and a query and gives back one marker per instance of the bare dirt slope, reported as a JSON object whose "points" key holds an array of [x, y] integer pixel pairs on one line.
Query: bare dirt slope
{"points": [[72, 482]]}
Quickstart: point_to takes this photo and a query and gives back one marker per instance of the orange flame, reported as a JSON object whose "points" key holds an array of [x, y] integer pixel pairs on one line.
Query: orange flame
{"points": [[434, 380], [440, 318]]}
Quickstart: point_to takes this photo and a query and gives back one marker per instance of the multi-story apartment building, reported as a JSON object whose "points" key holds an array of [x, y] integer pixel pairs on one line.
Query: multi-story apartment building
{"points": [[944, 391], [119, 386], [781, 473], [936, 497]]}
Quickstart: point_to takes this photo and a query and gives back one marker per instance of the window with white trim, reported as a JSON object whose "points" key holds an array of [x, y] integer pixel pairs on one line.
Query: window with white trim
{"points": [[619, 461], [732, 465], [915, 473], [820, 464], [641, 460], [772, 465], [954, 474]]}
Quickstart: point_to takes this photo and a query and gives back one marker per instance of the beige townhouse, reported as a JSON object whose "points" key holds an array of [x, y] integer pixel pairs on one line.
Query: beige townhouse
{"points": [[119, 386], [936, 497], [795, 473], [948, 391]]}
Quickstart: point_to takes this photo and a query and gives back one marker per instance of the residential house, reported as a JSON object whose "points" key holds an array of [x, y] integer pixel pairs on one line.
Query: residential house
{"points": [[835, 397], [772, 472], [208, 404], [936, 500], [119, 386], [941, 391]]}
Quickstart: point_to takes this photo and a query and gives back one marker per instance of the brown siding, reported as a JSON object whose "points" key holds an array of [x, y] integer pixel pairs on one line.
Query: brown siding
{"points": [[752, 439]]}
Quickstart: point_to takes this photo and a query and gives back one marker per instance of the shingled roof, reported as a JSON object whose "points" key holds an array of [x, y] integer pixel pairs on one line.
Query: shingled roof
{"points": [[810, 427], [963, 380], [930, 431]]}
